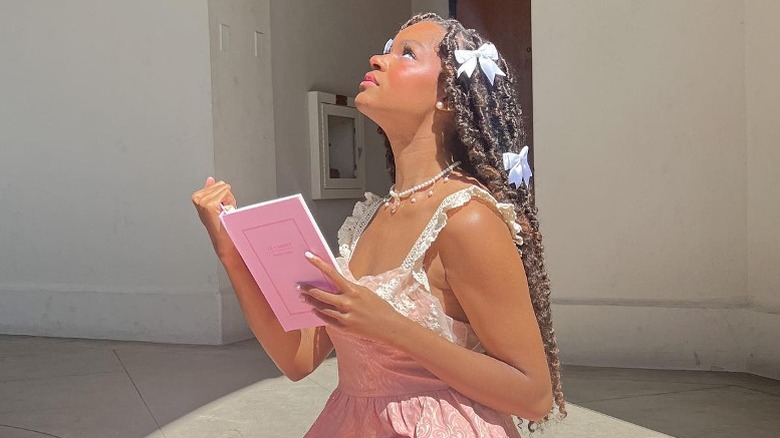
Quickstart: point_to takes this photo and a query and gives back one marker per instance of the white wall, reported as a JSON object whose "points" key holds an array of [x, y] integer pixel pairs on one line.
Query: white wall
{"points": [[263, 148], [105, 129], [319, 46], [113, 114], [762, 64], [244, 149], [640, 121]]}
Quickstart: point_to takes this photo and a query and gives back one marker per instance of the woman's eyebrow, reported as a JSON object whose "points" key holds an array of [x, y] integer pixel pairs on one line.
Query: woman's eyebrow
{"points": [[415, 43]]}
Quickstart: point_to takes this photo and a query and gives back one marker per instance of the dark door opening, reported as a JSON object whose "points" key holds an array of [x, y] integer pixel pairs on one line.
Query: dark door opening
{"points": [[506, 23]]}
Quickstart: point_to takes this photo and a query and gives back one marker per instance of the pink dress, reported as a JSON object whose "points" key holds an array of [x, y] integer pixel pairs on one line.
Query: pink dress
{"points": [[383, 392]]}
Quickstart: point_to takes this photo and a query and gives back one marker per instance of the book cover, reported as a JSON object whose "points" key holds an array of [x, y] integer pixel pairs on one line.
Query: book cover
{"points": [[272, 237]]}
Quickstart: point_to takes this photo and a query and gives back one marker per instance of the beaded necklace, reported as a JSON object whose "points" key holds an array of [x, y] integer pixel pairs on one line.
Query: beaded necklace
{"points": [[396, 197]]}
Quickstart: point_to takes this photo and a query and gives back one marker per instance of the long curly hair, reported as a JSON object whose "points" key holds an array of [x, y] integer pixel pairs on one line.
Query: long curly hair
{"points": [[488, 122]]}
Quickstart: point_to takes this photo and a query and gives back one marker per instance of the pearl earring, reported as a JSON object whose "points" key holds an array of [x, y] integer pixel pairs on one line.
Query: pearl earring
{"points": [[440, 105]]}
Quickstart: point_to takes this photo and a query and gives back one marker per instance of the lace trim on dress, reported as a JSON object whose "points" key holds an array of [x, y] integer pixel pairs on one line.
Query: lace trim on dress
{"points": [[404, 294], [413, 261], [354, 225]]}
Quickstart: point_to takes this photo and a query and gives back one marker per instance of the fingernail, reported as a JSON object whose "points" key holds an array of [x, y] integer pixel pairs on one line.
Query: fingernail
{"points": [[308, 255]]}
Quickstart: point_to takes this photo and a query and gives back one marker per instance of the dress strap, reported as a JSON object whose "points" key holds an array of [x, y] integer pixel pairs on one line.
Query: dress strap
{"points": [[353, 226], [431, 231]]}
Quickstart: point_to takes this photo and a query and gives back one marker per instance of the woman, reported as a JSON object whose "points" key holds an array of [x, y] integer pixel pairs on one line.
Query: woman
{"points": [[442, 326]]}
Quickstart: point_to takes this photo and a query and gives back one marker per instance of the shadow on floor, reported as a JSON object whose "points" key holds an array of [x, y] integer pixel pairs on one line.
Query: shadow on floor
{"points": [[97, 388]]}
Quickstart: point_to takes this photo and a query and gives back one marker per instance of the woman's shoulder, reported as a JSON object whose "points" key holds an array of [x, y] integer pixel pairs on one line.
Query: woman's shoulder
{"points": [[467, 188], [480, 227], [469, 216], [468, 183], [468, 219]]}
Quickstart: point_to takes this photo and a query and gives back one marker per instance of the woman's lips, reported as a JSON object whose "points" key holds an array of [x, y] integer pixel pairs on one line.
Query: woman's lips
{"points": [[370, 78]]}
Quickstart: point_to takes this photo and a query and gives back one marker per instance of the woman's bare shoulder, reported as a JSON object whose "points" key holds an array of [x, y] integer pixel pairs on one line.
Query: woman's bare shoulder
{"points": [[477, 229], [477, 220], [474, 220]]}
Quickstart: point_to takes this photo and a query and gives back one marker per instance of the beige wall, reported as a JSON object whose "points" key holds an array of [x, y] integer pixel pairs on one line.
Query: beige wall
{"points": [[642, 182], [105, 131], [105, 138], [441, 7], [242, 104], [762, 66], [317, 46], [262, 145]]}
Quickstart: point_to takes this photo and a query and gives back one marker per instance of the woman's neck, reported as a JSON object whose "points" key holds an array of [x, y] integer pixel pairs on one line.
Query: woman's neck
{"points": [[417, 159]]}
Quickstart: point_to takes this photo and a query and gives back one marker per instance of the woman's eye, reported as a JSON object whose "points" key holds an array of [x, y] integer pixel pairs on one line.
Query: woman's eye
{"points": [[408, 51]]}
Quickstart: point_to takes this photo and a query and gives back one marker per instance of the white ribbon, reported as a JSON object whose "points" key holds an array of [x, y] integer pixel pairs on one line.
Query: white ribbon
{"points": [[486, 55], [517, 165]]}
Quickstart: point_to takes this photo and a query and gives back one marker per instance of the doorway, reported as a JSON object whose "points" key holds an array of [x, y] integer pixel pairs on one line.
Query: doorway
{"points": [[507, 24]]}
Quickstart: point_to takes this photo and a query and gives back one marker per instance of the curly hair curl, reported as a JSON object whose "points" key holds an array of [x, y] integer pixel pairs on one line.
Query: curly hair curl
{"points": [[488, 123]]}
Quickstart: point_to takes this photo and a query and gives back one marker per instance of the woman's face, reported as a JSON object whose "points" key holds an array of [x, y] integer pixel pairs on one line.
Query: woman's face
{"points": [[404, 81]]}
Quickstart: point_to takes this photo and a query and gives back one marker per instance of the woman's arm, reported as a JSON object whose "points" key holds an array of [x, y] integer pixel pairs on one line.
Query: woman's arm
{"points": [[296, 353], [486, 274], [481, 378]]}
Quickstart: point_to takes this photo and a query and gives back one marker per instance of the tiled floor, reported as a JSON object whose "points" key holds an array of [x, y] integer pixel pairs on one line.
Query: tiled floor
{"points": [[73, 388]]}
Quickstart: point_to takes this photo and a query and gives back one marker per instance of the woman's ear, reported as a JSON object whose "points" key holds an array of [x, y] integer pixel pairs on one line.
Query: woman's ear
{"points": [[443, 105]]}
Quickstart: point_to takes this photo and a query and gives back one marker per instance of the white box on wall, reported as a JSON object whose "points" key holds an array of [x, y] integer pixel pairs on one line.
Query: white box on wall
{"points": [[337, 144]]}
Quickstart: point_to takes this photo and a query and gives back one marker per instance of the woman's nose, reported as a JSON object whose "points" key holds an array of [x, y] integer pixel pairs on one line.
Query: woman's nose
{"points": [[377, 62]]}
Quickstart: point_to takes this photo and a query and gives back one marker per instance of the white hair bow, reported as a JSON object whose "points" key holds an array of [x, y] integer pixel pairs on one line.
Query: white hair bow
{"points": [[517, 165], [388, 45], [486, 54]]}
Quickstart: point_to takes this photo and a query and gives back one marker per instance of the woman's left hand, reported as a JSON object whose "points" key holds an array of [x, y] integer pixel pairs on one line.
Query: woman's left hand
{"points": [[356, 309]]}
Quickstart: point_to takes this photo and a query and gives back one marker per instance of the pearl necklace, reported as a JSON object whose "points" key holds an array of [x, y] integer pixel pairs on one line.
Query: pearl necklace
{"points": [[397, 197]]}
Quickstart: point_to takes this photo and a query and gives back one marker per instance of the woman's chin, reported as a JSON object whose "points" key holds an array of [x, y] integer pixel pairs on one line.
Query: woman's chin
{"points": [[363, 104], [359, 98], [370, 107]]}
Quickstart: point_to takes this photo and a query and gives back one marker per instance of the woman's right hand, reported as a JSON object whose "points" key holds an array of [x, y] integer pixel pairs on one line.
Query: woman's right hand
{"points": [[208, 201]]}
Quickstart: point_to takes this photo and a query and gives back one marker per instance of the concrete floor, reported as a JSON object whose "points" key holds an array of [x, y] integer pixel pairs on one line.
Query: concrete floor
{"points": [[75, 388]]}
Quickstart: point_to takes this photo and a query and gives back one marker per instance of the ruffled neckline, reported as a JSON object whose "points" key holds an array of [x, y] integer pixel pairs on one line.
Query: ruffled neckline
{"points": [[387, 284], [348, 272], [367, 276], [364, 211]]}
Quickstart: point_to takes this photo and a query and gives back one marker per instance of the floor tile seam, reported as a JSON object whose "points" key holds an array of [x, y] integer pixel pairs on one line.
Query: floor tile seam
{"points": [[656, 394], [30, 430], [757, 390], [692, 372], [618, 419], [610, 370], [38, 341], [138, 391], [68, 352], [657, 381], [61, 376], [2, 358], [713, 385], [199, 353], [318, 384], [52, 409], [291, 385]]}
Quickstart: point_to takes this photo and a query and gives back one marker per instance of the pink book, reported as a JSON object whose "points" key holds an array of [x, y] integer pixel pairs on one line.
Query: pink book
{"points": [[271, 237]]}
